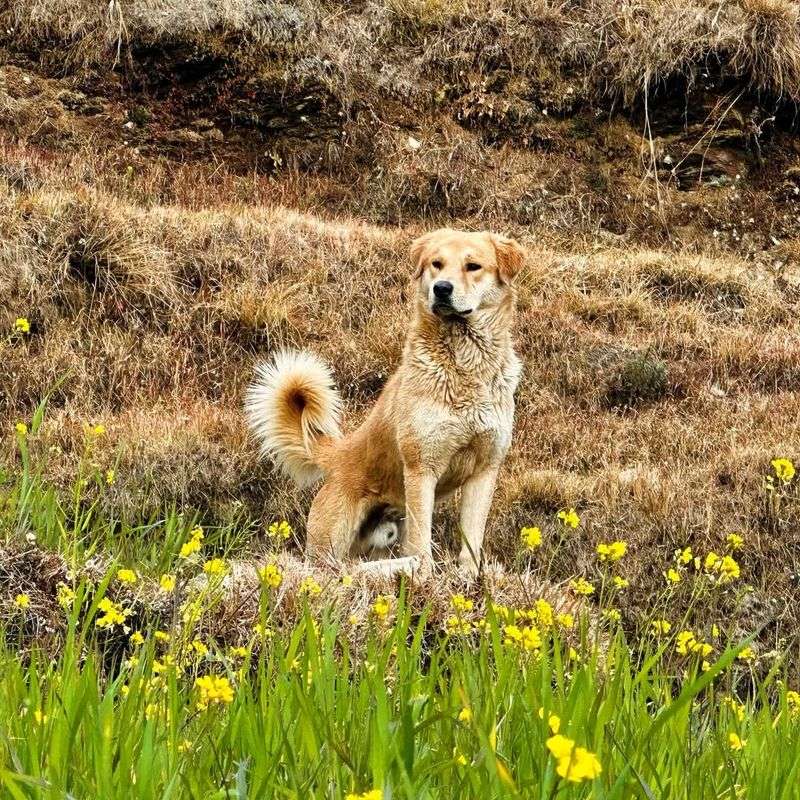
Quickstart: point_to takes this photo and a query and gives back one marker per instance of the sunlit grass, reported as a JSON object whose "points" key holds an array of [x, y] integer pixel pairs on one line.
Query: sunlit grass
{"points": [[301, 714], [139, 691]]}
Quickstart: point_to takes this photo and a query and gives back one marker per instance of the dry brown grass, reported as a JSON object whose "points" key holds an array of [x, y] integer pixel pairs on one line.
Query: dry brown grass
{"points": [[630, 45], [156, 314]]}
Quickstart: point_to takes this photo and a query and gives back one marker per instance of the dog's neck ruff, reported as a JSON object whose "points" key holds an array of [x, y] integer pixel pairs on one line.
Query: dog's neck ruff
{"points": [[451, 354]]}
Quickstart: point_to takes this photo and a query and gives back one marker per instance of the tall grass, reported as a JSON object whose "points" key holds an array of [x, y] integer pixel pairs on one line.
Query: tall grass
{"points": [[310, 718], [141, 697]]}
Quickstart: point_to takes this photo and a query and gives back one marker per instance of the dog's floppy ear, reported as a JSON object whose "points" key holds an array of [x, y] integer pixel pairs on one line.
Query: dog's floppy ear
{"points": [[417, 251], [510, 256]]}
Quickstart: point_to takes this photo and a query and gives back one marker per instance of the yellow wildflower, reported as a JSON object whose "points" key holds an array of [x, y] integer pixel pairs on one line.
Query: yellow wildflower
{"points": [[582, 586], [39, 717], [64, 595], [672, 575], [611, 551], [684, 556], [565, 620], [21, 428], [737, 708], [569, 518], [238, 652], [461, 604], [213, 690], [374, 794], [734, 742], [193, 544], [687, 643], [735, 541], [661, 626], [512, 634], [22, 325], [310, 587], [620, 582], [531, 538], [684, 642], [22, 601], [271, 575], [553, 721], [161, 636], [136, 638], [784, 469], [97, 430], [531, 639], [127, 576], [575, 764], [167, 582], [111, 477], [381, 607], [728, 569], [280, 530], [711, 562], [544, 613], [465, 715], [746, 654], [612, 614], [347, 580], [215, 566], [793, 702], [113, 614], [459, 758], [456, 625], [189, 548], [199, 647]]}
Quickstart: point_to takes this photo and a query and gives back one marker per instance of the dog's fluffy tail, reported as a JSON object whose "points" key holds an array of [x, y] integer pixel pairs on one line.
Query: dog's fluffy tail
{"points": [[291, 407]]}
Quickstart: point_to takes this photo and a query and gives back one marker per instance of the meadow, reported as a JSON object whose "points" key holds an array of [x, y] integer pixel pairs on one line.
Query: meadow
{"points": [[186, 187], [148, 661]]}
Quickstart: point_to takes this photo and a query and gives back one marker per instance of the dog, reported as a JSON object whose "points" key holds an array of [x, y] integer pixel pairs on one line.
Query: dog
{"points": [[442, 422]]}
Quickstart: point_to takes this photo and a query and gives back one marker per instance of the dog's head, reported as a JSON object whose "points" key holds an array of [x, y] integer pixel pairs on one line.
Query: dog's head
{"points": [[460, 273]]}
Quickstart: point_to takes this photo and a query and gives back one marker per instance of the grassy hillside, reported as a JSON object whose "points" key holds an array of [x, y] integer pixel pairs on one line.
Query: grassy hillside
{"points": [[188, 187]]}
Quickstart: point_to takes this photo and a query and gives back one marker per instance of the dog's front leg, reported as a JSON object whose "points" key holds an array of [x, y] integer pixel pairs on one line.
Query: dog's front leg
{"points": [[476, 498], [420, 489]]}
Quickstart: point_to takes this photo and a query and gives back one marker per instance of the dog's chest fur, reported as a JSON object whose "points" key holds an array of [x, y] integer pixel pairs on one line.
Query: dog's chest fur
{"points": [[457, 401]]}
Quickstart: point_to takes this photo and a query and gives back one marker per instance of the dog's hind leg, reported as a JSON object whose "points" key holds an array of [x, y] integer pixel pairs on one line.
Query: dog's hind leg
{"points": [[330, 525]]}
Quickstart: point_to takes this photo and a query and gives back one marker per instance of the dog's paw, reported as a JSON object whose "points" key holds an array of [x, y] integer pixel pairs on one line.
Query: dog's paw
{"points": [[468, 569], [423, 567]]}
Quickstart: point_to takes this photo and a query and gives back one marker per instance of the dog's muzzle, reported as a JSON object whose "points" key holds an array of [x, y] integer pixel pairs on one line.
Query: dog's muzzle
{"points": [[442, 304]]}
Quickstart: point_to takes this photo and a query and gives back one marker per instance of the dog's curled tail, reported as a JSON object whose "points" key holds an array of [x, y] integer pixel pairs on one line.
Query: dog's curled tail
{"points": [[291, 407]]}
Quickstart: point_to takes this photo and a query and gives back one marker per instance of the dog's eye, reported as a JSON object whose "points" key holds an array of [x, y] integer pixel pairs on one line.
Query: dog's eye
{"points": [[436, 264], [473, 267]]}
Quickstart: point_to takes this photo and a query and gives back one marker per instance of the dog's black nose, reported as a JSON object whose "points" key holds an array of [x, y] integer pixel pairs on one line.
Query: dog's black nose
{"points": [[443, 289]]}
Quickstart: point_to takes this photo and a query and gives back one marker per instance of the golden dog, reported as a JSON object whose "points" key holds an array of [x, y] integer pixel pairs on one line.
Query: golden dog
{"points": [[442, 422]]}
